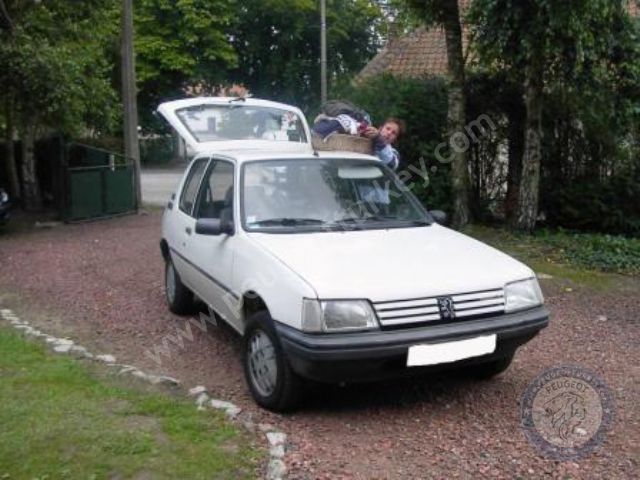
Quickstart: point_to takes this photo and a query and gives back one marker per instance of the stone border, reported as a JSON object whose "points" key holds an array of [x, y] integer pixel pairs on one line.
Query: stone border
{"points": [[276, 440]]}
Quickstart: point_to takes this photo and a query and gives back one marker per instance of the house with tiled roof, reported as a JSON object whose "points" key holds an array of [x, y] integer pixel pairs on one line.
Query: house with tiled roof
{"points": [[420, 53], [423, 52]]}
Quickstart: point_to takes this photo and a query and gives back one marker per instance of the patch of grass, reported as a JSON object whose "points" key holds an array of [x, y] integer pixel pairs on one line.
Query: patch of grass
{"points": [[609, 253], [59, 420], [582, 258]]}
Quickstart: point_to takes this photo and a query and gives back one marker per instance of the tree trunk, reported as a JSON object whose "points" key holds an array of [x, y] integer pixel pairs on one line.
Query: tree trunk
{"points": [[129, 97], [517, 116], [530, 183], [12, 172], [456, 117], [30, 186]]}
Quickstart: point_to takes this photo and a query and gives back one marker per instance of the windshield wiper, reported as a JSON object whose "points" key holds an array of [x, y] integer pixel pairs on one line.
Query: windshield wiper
{"points": [[381, 218], [374, 218], [289, 222]]}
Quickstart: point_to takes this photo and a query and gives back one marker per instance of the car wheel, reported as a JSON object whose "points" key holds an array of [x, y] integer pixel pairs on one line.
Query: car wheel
{"points": [[485, 371], [273, 384], [179, 298]]}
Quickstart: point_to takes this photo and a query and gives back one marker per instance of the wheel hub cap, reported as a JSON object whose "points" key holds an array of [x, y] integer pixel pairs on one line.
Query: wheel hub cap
{"points": [[263, 368], [171, 283]]}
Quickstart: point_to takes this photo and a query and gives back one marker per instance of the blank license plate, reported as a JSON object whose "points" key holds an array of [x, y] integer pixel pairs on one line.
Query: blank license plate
{"points": [[447, 352]]}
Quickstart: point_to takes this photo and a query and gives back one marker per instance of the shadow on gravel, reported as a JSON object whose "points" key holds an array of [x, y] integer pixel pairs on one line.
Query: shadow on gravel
{"points": [[431, 389]]}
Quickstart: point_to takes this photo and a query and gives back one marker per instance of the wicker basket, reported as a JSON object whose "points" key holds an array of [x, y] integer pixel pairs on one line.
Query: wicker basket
{"points": [[339, 141]]}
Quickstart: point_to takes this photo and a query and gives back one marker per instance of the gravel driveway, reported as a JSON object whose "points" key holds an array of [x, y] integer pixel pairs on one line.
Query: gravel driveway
{"points": [[102, 284]]}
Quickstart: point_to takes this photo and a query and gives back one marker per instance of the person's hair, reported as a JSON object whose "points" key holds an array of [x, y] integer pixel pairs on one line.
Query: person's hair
{"points": [[402, 126]]}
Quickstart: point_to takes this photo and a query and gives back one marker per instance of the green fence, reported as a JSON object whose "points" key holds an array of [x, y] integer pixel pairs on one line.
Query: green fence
{"points": [[99, 183]]}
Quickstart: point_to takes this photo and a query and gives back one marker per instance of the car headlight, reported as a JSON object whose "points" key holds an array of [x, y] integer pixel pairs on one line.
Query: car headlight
{"points": [[337, 315], [522, 295]]}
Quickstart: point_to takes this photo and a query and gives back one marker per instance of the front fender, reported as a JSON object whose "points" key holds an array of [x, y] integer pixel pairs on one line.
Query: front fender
{"points": [[258, 271]]}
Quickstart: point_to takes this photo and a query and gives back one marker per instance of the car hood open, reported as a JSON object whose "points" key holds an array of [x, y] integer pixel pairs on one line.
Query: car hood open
{"points": [[393, 264]]}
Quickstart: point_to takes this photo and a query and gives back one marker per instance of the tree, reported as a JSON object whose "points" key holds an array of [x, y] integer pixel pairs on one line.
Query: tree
{"points": [[278, 46], [53, 74], [543, 45], [447, 14], [180, 44]]}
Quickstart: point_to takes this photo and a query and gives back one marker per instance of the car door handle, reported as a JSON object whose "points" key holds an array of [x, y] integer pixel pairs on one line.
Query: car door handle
{"points": [[188, 230]]}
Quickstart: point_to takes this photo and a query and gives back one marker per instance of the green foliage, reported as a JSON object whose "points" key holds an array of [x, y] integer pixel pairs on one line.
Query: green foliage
{"points": [[591, 166], [491, 99], [562, 41], [607, 253], [180, 43], [278, 45], [584, 258], [590, 204], [53, 66], [157, 150], [59, 420], [428, 11], [588, 55], [422, 104]]}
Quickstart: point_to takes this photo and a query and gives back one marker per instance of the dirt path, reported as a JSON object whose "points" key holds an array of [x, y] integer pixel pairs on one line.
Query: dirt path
{"points": [[102, 284]]}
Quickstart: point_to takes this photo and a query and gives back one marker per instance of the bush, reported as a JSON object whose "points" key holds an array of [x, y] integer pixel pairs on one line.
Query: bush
{"points": [[600, 252], [157, 150], [594, 205], [422, 104]]}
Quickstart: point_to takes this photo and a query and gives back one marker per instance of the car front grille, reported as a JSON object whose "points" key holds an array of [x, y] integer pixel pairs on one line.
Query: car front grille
{"points": [[463, 306]]}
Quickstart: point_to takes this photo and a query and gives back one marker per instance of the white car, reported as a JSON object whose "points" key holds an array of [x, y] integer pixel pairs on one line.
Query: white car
{"points": [[326, 264]]}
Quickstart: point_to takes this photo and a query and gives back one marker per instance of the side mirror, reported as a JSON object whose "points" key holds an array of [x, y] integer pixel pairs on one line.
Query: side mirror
{"points": [[439, 216], [214, 226]]}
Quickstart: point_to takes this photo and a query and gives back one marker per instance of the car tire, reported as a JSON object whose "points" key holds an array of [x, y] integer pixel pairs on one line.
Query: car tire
{"points": [[485, 371], [272, 382], [179, 298]]}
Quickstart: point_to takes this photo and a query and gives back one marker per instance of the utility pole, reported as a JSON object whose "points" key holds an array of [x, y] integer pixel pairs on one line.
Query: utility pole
{"points": [[323, 51], [131, 145]]}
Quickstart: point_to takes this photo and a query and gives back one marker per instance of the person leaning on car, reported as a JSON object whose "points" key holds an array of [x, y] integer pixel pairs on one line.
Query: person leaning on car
{"points": [[384, 138]]}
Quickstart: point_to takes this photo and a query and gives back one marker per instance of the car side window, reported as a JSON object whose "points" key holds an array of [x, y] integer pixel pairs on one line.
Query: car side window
{"points": [[216, 195], [190, 190]]}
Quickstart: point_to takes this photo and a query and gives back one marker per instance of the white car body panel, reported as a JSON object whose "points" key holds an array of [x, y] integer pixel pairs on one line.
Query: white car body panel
{"points": [[257, 270], [393, 264]]}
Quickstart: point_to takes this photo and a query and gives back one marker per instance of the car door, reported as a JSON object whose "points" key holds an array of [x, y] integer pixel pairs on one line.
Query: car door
{"points": [[214, 254], [182, 225]]}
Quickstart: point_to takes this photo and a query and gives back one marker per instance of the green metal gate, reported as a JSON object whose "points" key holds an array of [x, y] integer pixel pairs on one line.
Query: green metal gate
{"points": [[99, 183]]}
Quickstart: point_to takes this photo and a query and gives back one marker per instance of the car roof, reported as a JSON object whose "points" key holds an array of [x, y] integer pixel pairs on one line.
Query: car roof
{"points": [[242, 156]]}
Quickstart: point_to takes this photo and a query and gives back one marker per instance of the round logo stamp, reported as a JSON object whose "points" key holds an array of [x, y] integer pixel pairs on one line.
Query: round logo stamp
{"points": [[566, 411]]}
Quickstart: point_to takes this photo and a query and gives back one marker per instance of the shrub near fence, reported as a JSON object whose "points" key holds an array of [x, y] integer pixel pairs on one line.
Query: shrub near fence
{"points": [[157, 150]]}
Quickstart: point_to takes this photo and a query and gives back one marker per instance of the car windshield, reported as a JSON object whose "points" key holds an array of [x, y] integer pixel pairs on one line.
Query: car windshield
{"points": [[325, 194], [235, 121]]}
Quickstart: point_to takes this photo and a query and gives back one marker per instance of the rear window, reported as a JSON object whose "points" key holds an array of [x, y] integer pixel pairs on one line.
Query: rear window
{"points": [[209, 123]]}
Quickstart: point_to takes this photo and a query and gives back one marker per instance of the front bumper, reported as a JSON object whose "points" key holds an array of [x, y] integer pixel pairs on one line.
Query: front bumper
{"points": [[381, 354]]}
